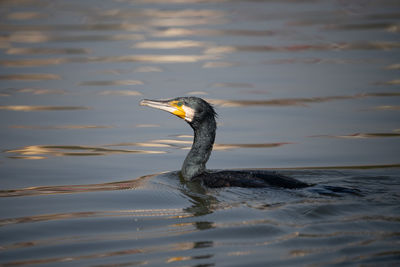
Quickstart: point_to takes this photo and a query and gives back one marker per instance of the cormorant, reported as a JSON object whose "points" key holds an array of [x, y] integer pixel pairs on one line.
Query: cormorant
{"points": [[200, 115]]}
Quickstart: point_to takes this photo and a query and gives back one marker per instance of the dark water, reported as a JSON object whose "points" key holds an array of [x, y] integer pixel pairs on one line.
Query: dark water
{"points": [[307, 87], [156, 220]]}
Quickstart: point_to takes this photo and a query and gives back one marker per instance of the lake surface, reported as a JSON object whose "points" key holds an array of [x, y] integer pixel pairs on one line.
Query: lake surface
{"points": [[307, 88]]}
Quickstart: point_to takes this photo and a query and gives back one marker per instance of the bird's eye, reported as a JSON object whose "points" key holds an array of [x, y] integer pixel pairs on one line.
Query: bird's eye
{"points": [[179, 104]]}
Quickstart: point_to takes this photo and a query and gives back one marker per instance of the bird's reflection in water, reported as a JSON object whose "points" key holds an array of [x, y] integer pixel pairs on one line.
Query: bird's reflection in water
{"points": [[201, 201]]}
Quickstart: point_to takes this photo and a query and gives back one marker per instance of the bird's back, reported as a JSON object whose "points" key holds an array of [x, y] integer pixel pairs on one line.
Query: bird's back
{"points": [[255, 179]]}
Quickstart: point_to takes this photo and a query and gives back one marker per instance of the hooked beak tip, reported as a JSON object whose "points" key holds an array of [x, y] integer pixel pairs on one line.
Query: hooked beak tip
{"points": [[148, 102]]}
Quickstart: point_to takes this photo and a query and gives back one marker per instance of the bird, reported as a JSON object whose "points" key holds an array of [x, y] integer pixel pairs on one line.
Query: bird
{"points": [[201, 116]]}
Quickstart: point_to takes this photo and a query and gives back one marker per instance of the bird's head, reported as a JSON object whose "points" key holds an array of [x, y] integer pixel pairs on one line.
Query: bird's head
{"points": [[193, 110]]}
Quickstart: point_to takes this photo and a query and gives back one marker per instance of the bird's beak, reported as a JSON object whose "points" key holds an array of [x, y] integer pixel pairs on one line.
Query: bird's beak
{"points": [[170, 106]]}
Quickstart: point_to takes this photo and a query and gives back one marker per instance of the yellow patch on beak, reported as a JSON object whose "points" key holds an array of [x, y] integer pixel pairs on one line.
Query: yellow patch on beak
{"points": [[180, 112]]}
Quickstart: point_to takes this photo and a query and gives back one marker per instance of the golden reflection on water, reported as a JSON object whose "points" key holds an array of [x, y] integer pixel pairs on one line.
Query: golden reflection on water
{"points": [[182, 32], [147, 125], [174, 142], [346, 167], [42, 108], [386, 107], [219, 64], [32, 62], [111, 83], [389, 27], [295, 101], [129, 58], [216, 50], [233, 85], [165, 248], [165, 58], [46, 51], [121, 93], [393, 67], [305, 47], [139, 182], [184, 22], [186, 144], [188, 13], [30, 77], [316, 60], [150, 58], [28, 37], [362, 135], [170, 44], [38, 91], [141, 144], [393, 82], [142, 69], [272, 102], [33, 91], [90, 214], [173, 32], [169, 213], [84, 257], [32, 37], [44, 151], [183, 136], [25, 15], [148, 69], [165, 17], [235, 146], [60, 127], [40, 28]]}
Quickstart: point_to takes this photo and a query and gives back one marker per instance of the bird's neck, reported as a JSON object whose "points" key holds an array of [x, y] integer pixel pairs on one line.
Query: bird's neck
{"points": [[204, 136]]}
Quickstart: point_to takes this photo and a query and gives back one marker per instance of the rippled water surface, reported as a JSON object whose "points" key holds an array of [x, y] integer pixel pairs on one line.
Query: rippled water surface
{"points": [[309, 88]]}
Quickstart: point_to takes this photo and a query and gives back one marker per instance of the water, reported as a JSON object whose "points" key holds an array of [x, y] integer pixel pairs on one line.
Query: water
{"points": [[306, 87]]}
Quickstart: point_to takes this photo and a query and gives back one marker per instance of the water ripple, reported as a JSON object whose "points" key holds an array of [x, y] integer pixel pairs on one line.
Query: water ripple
{"points": [[42, 108], [46, 51], [95, 214], [111, 83], [44, 151], [295, 101], [60, 127], [121, 92], [70, 189], [33, 91], [361, 135], [168, 58], [305, 47], [170, 44], [30, 77], [31, 37]]}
